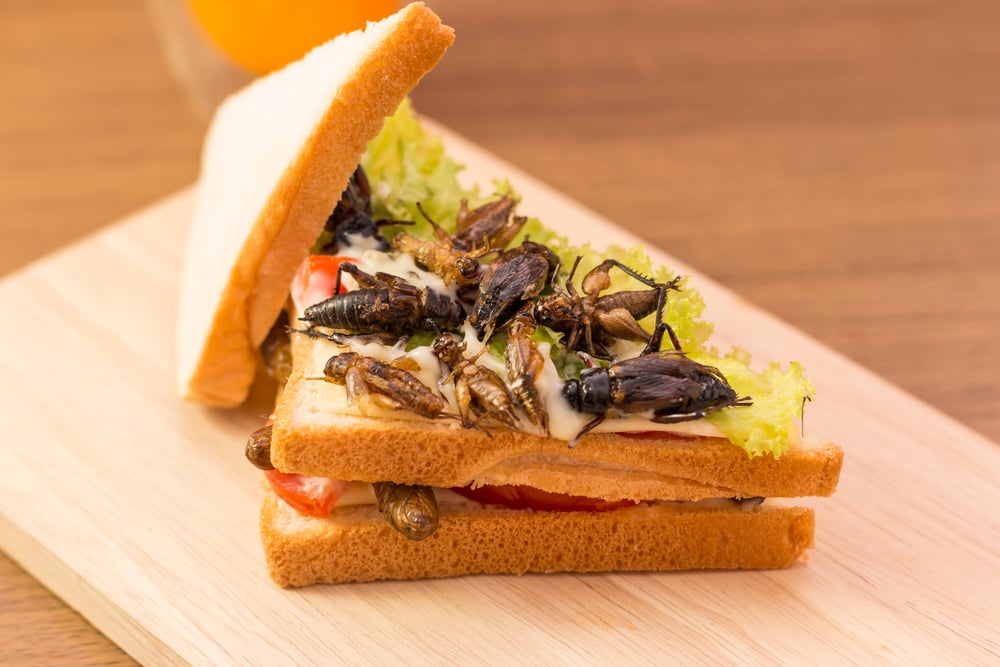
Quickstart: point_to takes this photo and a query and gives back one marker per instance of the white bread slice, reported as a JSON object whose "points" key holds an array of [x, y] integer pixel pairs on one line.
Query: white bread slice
{"points": [[311, 436], [276, 159], [357, 544]]}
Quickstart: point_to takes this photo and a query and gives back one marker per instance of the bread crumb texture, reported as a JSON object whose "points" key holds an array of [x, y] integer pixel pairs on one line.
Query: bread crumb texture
{"points": [[356, 544]]}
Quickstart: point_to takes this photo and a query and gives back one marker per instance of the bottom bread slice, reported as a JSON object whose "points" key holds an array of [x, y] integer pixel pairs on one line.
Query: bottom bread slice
{"points": [[356, 543]]}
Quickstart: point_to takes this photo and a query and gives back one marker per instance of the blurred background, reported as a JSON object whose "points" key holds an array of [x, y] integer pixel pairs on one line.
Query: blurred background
{"points": [[837, 164]]}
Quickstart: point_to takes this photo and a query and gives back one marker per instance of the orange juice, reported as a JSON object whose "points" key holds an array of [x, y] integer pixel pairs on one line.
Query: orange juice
{"points": [[263, 35]]}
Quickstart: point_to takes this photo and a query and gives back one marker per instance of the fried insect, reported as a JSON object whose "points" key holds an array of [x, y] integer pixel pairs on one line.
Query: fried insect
{"points": [[590, 322], [276, 350], [372, 382], [513, 278], [410, 509], [352, 217], [453, 262], [524, 363], [480, 393], [488, 226], [383, 304], [667, 382], [258, 449]]}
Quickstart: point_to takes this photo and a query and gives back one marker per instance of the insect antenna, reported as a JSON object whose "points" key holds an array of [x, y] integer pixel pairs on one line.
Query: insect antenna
{"points": [[572, 272], [802, 414], [337, 338]]}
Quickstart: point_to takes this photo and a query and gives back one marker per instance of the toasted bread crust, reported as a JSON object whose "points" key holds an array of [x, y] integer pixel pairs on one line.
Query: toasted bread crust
{"points": [[356, 544], [231, 297], [601, 465]]}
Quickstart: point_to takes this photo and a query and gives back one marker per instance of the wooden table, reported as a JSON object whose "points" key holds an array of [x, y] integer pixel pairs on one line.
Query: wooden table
{"points": [[836, 164]]}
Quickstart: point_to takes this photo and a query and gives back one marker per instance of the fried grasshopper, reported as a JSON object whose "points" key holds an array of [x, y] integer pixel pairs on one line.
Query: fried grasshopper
{"points": [[444, 256], [370, 382], [409, 508], [665, 382], [524, 363], [383, 304], [351, 218], [490, 226], [514, 278], [592, 322], [480, 393]]}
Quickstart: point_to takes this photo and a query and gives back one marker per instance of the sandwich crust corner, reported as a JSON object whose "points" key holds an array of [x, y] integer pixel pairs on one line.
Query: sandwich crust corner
{"points": [[275, 161]]}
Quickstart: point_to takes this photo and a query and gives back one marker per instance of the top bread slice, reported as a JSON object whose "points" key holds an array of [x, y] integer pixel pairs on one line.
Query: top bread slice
{"points": [[276, 160], [315, 433]]}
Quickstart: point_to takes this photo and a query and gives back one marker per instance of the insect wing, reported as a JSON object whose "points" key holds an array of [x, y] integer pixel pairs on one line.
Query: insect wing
{"points": [[516, 275], [654, 382], [403, 388]]}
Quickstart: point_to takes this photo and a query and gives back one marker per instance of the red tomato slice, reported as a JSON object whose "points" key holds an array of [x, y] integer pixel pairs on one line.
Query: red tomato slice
{"points": [[527, 497], [315, 279], [314, 496]]}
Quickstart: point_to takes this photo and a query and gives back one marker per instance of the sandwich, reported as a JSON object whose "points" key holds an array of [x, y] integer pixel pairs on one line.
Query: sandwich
{"points": [[459, 389]]}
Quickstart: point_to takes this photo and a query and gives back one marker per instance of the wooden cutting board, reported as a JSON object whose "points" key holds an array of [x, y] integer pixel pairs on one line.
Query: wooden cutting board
{"points": [[141, 512]]}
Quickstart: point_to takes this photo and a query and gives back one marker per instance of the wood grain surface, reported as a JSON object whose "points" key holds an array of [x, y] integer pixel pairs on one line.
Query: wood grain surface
{"points": [[835, 163], [152, 520]]}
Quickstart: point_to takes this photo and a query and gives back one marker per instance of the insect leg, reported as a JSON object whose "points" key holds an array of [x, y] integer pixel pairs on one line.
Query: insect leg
{"points": [[620, 324], [463, 396], [357, 390], [591, 425], [364, 280], [569, 279], [681, 417], [337, 338], [649, 282], [654, 341]]}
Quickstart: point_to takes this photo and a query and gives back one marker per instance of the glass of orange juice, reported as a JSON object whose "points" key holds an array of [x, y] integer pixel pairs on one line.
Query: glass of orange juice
{"points": [[216, 46]]}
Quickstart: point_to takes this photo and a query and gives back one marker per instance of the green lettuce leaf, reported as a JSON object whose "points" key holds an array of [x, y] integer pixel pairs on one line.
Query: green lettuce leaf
{"points": [[779, 394], [407, 165]]}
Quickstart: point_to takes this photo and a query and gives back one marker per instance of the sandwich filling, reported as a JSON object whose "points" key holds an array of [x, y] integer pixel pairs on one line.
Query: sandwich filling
{"points": [[319, 497], [425, 300]]}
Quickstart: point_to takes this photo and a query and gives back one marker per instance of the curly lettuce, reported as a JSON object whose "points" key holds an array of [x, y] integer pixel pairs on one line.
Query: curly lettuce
{"points": [[407, 165]]}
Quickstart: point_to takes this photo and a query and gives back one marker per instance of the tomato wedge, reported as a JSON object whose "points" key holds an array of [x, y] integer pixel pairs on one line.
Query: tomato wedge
{"points": [[528, 497], [315, 279], [314, 496]]}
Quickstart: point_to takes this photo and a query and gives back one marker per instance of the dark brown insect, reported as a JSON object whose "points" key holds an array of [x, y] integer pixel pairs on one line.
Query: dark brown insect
{"points": [[351, 218], [383, 304], [480, 393], [524, 363], [258, 449], [372, 382], [276, 350], [666, 382], [590, 322], [448, 259], [410, 509], [513, 278], [490, 226]]}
